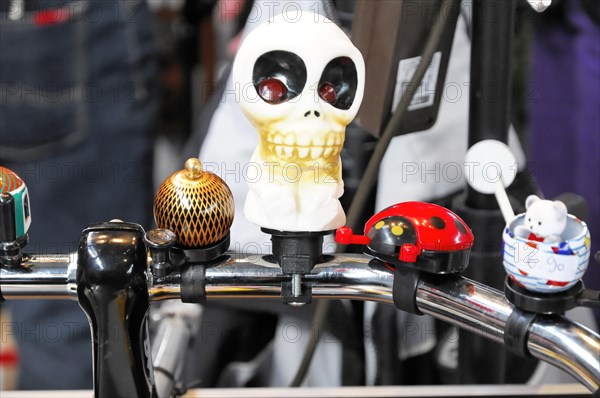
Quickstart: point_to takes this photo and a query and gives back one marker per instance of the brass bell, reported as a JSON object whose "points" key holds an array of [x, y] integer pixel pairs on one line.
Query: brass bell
{"points": [[196, 205]]}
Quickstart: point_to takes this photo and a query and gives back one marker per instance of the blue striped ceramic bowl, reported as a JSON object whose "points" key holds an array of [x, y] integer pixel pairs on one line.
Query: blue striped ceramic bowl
{"points": [[547, 267]]}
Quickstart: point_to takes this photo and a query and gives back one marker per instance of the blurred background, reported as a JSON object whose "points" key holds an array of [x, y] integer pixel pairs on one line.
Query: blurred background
{"points": [[166, 64]]}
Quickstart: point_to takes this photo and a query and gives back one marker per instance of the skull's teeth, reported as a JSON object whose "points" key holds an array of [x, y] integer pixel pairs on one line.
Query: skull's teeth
{"points": [[291, 152], [319, 141], [303, 152], [316, 153], [291, 146]]}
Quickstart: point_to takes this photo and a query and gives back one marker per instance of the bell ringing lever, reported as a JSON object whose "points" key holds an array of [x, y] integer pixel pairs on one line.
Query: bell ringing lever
{"points": [[160, 241]]}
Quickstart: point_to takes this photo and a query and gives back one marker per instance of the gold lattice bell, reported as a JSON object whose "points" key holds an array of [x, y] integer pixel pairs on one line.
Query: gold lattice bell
{"points": [[195, 204]]}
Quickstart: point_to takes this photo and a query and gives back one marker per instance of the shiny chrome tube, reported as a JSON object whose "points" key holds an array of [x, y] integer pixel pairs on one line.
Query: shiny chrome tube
{"points": [[456, 300], [459, 301], [41, 276], [485, 311], [568, 346], [345, 277], [468, 305]]}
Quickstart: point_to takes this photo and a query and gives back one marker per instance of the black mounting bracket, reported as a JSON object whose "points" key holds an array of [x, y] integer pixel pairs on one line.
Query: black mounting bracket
{"points": [[551, 303], [296, 253]]}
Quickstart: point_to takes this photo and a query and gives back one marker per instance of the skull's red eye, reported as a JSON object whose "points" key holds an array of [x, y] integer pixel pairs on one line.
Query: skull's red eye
{"points": [[327, 92], [272, 90]]}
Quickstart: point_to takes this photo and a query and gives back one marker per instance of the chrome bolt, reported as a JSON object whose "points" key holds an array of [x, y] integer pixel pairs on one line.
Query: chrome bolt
{"points": [[296, 285], [296, 289]]}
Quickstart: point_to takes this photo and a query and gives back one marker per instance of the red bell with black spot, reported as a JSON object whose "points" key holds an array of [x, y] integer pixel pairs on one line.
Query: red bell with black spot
{"points": [[419, 235]]}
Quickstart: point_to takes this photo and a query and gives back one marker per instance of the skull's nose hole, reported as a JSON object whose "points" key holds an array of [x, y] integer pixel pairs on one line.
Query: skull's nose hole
{"points": [[317, 114]]}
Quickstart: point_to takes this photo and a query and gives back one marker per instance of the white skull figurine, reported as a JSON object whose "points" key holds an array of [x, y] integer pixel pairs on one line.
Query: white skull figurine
{"points": [[301, 82]]}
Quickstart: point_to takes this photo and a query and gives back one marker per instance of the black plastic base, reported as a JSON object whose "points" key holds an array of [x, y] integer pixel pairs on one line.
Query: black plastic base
{"points": [[297, 253], [433, 262], [11, 255], [540, 303], [10, 252], [201, 255]]}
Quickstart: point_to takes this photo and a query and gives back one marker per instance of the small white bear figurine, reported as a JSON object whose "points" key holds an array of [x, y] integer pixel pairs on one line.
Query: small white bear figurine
{"points": [[545, 220]]}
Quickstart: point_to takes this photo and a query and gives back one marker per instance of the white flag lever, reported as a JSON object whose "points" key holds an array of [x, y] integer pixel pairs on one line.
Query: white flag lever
{"points": [[491, 167]]}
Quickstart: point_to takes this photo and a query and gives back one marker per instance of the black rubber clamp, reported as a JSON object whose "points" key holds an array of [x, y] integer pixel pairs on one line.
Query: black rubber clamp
{"points": [[406, 283], [516, 331], [193, 284]]}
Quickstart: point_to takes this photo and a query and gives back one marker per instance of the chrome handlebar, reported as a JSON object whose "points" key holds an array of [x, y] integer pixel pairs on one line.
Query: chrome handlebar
{"points": [[456, 300]]}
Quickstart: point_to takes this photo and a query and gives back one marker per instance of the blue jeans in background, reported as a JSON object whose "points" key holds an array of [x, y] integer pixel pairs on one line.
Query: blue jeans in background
{"points": [[77, 111]]}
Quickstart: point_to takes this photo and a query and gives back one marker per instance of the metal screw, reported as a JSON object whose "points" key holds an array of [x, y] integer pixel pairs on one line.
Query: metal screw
{"points": [[296, 289], [296, 285]]}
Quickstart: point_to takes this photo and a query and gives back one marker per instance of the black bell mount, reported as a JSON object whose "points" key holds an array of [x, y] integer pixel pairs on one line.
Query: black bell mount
{"points": [[296, 253], [167, 255], [553, 303]]}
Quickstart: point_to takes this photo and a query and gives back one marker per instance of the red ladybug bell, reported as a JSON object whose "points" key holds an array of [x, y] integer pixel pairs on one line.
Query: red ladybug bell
{"points": [[420, 235]]}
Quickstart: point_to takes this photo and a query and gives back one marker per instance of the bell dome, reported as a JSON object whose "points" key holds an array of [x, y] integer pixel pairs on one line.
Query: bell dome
{"points": [[196, 205]]}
